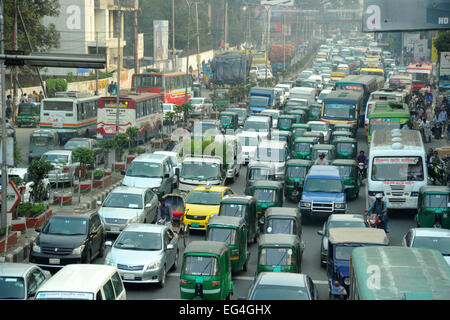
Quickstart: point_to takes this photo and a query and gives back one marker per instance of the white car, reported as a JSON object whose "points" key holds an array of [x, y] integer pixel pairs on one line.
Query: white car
{"points": [[199, 105], [261, 75], [322, 95], [429, 238], [320, 126], [176, 165]]}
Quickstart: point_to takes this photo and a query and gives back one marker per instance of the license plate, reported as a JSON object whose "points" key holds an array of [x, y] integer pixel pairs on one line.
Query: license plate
{"points": [[54, 261], [115, 229], [128, 276], [195, 225]]}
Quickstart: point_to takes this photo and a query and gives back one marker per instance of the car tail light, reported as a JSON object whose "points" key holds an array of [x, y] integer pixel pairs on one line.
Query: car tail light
{"points": [[215, 283], [183, 281], [65, 169]]}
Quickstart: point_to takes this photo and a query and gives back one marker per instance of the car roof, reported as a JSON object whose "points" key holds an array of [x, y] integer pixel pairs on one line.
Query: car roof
{"points": [[272, 144], [13, 269], [214, 247], [59, 152], [346, 217], [431, 232], [127, 189], [324, 170], [238, 198], [267, 183], [79, 139], [299, 161], [440, 189], [358, 235], [150, 157], [145, 227], [282, 279], [323, 146]]}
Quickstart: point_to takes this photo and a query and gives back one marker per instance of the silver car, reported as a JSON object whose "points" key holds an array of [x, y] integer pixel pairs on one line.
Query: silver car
{"points": [[144, 253], [429, 238], [64, 166], [21, 281], [125, 205]]}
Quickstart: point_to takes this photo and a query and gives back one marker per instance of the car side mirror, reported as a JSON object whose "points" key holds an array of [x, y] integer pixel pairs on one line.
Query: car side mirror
{"points": [[170, 247], [108, 243], [37, 229], [99, 203], [167, 175], [148, 205], [320, 232]]}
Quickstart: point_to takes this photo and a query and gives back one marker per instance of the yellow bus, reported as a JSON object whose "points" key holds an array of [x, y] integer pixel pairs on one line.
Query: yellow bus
{"points": [[379, 73], [337, 75]]}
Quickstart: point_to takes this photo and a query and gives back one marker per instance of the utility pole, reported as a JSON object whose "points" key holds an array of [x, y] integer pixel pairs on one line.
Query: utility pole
{"points": [[174, 52], [198, 43], [284, 45], [16, 69], [96, 70], [136, 42], [187, 54], [226, 25], [118, 66], [269, 10]]}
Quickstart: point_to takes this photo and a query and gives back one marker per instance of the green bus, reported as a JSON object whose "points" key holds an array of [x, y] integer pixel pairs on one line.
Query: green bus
{"points": [[387, 115], [398, 273]]}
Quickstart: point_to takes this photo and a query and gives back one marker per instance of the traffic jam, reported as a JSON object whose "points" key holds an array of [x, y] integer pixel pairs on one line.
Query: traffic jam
{"points": [[291, 193]]}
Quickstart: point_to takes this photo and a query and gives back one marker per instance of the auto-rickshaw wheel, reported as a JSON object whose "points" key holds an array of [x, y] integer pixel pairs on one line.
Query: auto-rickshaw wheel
{"points": [[185, 235]]}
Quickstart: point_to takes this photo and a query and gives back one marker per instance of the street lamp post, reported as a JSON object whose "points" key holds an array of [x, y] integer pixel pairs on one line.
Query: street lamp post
{"points": [[118, 68], [187, 53]]}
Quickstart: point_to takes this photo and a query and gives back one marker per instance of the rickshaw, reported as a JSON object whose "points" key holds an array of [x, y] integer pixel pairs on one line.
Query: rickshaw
{"points": [[300, 115], [314, 112], [339, 134], [279, 253], [267, 194], [346, 127], [328, 149], [282, 135], [284, 221], [298, 129], [197, 88], [258, 172], [244, 207], [341, 242], [285, 122], [229, 121], [28, 114], [346, 148], [318, 135], [349, 172], [206, 271], [232, 231], [433, 208], [302, 147], [176, 203], [294, 177]]}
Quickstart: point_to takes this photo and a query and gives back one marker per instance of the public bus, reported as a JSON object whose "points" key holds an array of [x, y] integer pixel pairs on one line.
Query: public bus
{"points": [[398, 273], [72, 114], [140, 110], [386, 115], [372, 72], [171, 86], [397, 167], [421, 74], [341, 107]]}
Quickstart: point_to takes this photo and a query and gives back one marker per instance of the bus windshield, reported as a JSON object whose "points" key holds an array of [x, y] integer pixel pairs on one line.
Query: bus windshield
{"points": [[397, 169], [339, 111]]}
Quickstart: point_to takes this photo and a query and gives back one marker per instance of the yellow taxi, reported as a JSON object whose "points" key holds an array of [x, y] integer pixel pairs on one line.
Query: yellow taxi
{"points": [[202, 203]]}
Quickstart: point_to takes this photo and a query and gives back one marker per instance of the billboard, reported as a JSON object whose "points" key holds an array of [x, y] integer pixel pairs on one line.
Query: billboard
{"points": [[160, 40], [444, 71], [421, 50], [410, 39], [405, 15]]}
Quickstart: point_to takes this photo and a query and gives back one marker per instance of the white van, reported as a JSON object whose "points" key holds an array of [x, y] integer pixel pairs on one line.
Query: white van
{"points": [[303, 93], [84, 282]]}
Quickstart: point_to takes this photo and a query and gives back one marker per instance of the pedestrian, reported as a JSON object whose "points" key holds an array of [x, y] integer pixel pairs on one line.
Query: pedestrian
{"points": [[110, 87], [443, 118], [23, 99], [8, 125], [41, 96], [8, 106], [35, 96]]}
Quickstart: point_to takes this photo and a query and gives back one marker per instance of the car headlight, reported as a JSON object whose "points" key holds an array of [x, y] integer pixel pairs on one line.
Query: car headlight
{"points": [[79, 250], [347, 281], [213, 214], [109, 262], [305, 204], [154, 265], [36, 248], [339, 205]]}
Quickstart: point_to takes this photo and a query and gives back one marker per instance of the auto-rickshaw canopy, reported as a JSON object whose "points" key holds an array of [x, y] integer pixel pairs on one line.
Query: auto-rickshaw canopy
{"points": [[267, 184], [358, 235], [283, 212], [210, 247], [234, 222], [279, 240]]}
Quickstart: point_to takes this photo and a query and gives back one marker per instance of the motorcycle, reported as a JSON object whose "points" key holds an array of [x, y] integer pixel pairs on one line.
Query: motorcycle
{"points": [[362, 174], [439, 175], [437, 130], [373, 220]]}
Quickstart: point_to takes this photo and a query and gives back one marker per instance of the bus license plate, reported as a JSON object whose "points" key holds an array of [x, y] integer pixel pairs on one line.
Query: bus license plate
{"points": [[54, 261]]}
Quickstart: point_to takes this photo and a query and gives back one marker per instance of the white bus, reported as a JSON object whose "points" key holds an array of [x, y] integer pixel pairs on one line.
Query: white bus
{"points": [[72, 114], [397, 167]]}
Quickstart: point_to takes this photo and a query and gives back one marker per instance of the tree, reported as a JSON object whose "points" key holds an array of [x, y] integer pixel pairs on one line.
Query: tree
{"points": [[85, 157], [37, 170], [132, 133], [442, 42]]}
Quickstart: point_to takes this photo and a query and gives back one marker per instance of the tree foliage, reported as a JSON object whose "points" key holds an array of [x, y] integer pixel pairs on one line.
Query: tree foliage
{"points": [[37, 170], [54, 85], [442, 43]]}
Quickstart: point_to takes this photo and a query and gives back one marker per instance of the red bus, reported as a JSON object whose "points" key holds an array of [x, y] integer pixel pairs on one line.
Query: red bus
{"points": [[140, 110], [172, 86], [421, 73]]}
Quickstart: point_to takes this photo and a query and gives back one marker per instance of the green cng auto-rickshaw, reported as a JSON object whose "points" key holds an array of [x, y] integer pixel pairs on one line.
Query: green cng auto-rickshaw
{"points": [[433, 209], [244, 207], [300, 115], [328, 149], [316, 134], [284, 221], [28, 114], [279, 253], [339, 134], [267, 194], [223, 98], [206, 271], [256, 171], [346, 127], [315, 111], [298, 129], [294, 177], [285, 122], [302, 147], [346, 148], [349, 172], [232, 231], [229, 121], [304, 108]]}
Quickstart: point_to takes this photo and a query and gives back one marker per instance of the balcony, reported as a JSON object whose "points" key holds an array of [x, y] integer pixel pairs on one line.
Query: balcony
{"points": [[126, 5]]}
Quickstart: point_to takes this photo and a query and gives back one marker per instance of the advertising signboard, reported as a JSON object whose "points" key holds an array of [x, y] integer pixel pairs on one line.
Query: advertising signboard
{"points": [[160, 40], [444, 71]]}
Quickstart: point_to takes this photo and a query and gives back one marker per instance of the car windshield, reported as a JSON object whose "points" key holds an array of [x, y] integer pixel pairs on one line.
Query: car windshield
{"points": [[317, 127], [259, 174], [201, 171], [322, 185], [258, 102], [73, 144], [343, 252], [226, 235], [232, 210], [344, 224], [210, 198], [346, 171], [347, 147], [56, 158], [436, 201], [265, 195], [67, 226], [196, 101], [248, 141], [303, 147], [256, 126], [277, 256], [442, 244], [270, 154], [296, 172], [12, 288], [293, 103], [285, 226], [322, 95], [133, 240], [339, 111], [145, 170], [41, 141], [275, 292], [397, 169], [200, 266], [123, 200], [285, 122]]}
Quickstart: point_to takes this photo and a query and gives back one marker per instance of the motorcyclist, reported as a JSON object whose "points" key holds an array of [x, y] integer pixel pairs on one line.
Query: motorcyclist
{"points": [[379, 207], [362, 159]]}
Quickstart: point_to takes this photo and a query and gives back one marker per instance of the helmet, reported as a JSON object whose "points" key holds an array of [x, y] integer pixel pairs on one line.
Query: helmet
{"points": [[379, 196]]}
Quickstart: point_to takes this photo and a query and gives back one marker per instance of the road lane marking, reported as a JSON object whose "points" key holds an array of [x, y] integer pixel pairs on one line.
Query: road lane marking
{"points": [[246, 278]]}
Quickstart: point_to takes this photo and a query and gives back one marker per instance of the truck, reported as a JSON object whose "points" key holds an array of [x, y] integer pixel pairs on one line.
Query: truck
{"points": [[261, 99], [231, 68], [280, 54]]}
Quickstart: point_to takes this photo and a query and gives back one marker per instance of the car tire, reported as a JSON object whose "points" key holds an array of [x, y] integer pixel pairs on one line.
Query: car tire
{"points": [[175, 263], [162, 282]]}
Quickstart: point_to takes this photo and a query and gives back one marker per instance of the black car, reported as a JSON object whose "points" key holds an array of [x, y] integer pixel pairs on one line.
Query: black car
{"points": [[67, 239]]}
